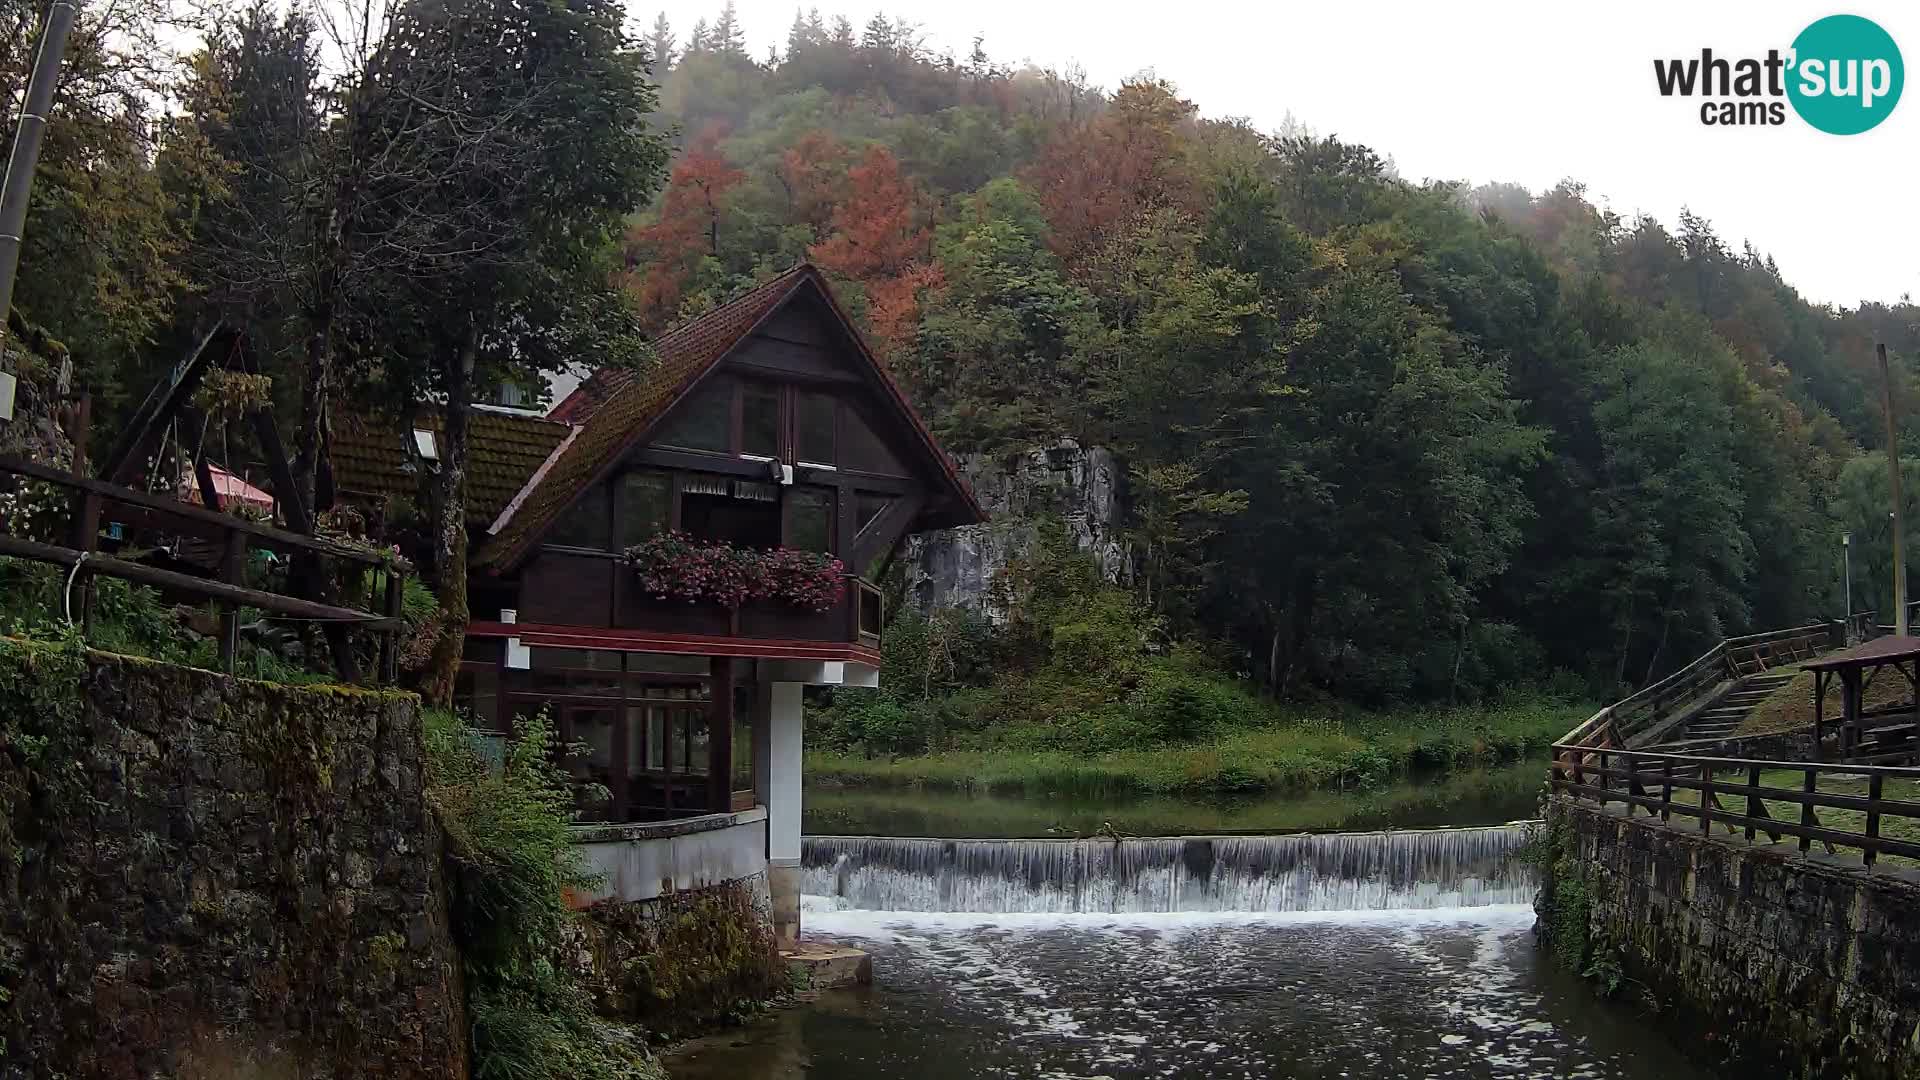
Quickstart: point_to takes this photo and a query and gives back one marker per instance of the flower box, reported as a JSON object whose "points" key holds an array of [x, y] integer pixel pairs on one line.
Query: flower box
{"points": [[678, 567]]}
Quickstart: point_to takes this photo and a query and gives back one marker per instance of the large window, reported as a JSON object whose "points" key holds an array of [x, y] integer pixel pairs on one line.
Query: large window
{"points": [[813, 427], [638, 723], [705, 420], [584, 524], [811, 526], [760, 420], [646, 505]]}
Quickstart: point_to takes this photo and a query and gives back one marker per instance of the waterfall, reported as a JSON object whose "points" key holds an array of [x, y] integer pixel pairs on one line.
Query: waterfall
{"points": [[1424, 868]]}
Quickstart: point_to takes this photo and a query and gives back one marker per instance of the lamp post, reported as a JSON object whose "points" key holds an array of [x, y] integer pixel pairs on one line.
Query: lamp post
{"points": [[1846, 576]]}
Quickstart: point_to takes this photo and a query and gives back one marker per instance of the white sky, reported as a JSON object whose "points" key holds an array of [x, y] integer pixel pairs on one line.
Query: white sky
{"points": [[1526, 92]]}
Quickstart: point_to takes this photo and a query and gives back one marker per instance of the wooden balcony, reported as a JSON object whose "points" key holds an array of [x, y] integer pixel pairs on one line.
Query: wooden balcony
{"points": [[582, 595]]}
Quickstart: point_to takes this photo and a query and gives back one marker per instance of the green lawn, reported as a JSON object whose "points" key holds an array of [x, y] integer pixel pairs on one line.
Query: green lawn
{"points": [[1892, 826], [1337, 749]]}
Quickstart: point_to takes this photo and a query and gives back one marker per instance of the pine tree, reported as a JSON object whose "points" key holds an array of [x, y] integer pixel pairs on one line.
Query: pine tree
{"points": [[842, 32], [728, 38], [879, 35], [660, 46], [700, 40], [797, 39]]}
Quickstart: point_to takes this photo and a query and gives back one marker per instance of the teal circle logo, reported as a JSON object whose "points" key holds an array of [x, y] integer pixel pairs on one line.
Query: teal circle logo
{"points": [[1846, 74]]}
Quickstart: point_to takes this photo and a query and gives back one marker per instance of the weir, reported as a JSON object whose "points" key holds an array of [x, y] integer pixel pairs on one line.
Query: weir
{"points": [[1402, 869]]}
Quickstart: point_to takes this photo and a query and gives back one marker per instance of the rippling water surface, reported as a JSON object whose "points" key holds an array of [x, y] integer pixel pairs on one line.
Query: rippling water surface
{"points": [[1435, 993]]}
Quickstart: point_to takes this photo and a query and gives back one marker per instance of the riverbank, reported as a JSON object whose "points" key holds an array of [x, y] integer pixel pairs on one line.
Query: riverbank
{"points": [[1304, 749], [1458, 797]]}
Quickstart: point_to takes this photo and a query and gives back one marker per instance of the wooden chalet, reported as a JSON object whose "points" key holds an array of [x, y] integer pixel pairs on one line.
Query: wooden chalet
{"points": [[765, 424]]}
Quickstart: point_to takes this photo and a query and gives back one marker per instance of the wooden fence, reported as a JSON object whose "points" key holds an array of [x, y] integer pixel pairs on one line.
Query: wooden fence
{"points": [[1841, 806], [234, 536], [1706, 786]]}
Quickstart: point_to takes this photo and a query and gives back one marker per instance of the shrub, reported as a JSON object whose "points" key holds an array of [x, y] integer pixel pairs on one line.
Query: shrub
{"points": [[508, 844], [1176, 703]]}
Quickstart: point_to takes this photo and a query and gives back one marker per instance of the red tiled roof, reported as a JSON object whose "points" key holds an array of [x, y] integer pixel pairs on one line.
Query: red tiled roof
{"points": [[623, 405], [587, 398]]}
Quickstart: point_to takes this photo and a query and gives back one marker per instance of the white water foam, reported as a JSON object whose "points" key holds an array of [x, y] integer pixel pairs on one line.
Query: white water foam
{"points": [[1409, 869]]}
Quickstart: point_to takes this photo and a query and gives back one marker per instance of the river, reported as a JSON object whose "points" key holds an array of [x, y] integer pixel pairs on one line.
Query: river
{"points": [[1401, 953]]}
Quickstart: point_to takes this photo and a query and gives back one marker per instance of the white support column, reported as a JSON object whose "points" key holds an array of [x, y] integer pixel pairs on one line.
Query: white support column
{"points": [[781, 701]]}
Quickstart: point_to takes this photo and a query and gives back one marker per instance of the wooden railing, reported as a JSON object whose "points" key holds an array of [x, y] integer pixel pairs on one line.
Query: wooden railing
{"points": [[1734, 793], [235, 536], [1595, 763]]}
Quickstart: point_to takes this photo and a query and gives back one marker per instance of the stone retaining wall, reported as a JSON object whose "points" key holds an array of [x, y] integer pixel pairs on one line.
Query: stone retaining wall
{"points": [[682, 960], [212, 878], [1798, 966]]}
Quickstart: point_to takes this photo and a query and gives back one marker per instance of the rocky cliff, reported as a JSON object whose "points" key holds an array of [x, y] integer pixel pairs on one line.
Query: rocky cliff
{"points": [[1081, 486]]}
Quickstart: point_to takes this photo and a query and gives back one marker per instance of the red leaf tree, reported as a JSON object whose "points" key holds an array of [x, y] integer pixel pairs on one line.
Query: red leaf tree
{"points": [[1095, 177], [662, 256]]}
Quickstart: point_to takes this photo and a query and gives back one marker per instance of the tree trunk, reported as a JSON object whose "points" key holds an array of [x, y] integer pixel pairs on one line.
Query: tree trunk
{"points": [[1659, 646], [313, 406], [450, 530]]}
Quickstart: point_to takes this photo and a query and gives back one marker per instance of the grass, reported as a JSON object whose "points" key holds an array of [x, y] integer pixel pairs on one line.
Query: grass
{"points": [[1466, 796], [1790, 708], [1892, 826], [1301, 750]]}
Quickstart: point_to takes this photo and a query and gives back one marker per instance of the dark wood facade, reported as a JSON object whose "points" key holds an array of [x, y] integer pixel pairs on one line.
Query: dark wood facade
{"points": [[787, 436]]}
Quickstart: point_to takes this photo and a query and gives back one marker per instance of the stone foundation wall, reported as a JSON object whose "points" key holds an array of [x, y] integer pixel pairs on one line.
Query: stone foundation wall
{"points": [[1797, 966], [683, 960], [206, 877]]}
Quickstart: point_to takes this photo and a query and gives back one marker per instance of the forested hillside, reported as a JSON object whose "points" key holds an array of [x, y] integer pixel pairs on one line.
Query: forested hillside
{"points": [[1402, 440], [1390, 440]]}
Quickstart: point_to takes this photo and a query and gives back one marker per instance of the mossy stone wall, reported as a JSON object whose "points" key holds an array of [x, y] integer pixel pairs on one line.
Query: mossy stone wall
{"points": [[209, 877], [682, 961], [1793, 966]]}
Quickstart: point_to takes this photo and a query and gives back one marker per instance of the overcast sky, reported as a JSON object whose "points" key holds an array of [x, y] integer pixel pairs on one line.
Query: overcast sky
{"points": [[1527, 92]]}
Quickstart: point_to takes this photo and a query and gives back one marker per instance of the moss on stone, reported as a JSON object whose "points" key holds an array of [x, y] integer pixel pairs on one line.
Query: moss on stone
{"points": [[685, 960]]}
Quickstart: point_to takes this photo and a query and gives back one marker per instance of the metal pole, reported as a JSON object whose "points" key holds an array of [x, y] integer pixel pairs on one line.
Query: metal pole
{"points": [[18, 185], [1893, 481], [1846, 572]]}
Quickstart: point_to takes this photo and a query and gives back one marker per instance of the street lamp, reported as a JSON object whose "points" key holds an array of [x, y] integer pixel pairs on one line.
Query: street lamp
{"points": [[1846, 574]]}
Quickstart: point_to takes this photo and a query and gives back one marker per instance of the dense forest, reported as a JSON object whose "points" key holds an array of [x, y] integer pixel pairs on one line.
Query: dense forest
{"points": [[1400, 440], [1394, 441]]}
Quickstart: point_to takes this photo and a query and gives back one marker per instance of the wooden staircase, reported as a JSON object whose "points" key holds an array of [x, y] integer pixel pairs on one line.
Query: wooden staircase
{"points": [[1718, 721]]}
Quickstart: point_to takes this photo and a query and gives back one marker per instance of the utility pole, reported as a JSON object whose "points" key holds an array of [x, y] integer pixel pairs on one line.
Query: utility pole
{"points": [[18, 186], [1893, 482]]}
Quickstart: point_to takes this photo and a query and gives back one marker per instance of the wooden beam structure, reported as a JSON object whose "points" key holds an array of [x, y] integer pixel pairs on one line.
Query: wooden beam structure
{"points": [[94, 563]]}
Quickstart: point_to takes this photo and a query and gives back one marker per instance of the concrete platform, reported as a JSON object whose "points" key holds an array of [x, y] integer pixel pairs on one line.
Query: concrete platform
{"points": [[822, 965]]}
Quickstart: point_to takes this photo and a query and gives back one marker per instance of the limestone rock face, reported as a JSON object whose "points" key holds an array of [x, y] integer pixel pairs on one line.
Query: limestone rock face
{"points": [[1079, 485]]}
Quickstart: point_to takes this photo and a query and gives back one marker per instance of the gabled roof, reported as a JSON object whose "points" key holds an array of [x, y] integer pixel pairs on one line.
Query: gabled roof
{"points": [[623, 406], [372, 456]]}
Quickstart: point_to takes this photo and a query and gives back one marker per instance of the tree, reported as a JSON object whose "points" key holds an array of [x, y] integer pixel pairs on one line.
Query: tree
{"points": [[530, 143], [1101, 176], [727, 37], [687, 232], [105, 228], [660, 54], [879, 229], [813, 173]]}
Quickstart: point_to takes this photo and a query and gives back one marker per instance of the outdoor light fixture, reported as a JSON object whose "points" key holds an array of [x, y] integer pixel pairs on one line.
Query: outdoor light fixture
{"points": [[424, 442], [7, 385]]}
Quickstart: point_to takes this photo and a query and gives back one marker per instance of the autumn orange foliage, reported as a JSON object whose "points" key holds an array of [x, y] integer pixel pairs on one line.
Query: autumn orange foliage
{"points": [[880, 238], [1097, 177], [661, 256]]}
